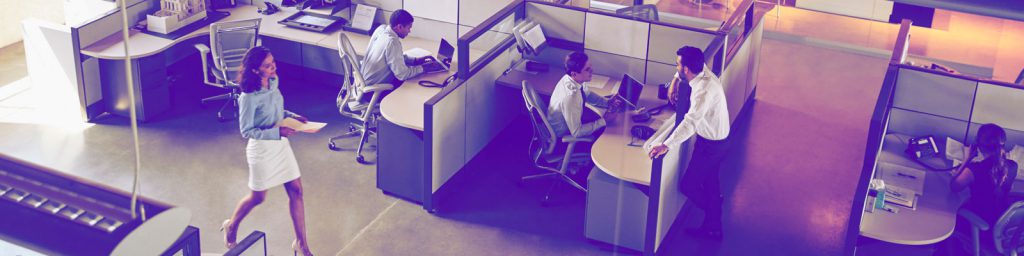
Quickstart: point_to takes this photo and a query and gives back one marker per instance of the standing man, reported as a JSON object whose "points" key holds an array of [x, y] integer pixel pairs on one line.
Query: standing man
{"points": [[707, 116], [385, 61]]}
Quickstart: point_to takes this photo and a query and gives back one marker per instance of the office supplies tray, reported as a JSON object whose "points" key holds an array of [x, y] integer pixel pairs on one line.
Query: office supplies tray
{"points": [[211, 17], [312, 21]]}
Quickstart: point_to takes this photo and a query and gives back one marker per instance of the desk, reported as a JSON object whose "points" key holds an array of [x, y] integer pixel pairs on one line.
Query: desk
{"points": [[932, 221], [544, 82], [315, 51], [617, 200], [611, 153]]}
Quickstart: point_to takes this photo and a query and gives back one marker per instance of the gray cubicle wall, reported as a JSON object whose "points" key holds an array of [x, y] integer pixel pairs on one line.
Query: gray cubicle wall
{"points": [[87, 68], [739, 76], [999, 104], [929, 103], [455, 132]]}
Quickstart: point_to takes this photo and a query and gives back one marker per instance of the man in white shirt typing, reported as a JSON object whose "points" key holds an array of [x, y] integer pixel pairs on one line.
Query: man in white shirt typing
{"points": [[385, 61], [566, 108], [707, 116]]}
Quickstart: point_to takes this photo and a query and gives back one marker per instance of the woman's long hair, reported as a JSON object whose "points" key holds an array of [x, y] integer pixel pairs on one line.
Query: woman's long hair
{"points": [[248, 76], [990, 141]]}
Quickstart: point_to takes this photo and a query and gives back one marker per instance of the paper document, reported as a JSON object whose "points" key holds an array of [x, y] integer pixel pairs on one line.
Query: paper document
{"points": [[904, 177], [900, 196], [534, 37], [363, 17], [308, 127], [597, 82], [417, 53]]}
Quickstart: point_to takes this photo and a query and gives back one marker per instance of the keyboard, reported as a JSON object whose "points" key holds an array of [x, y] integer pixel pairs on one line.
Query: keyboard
{"points": [[433, 67]]}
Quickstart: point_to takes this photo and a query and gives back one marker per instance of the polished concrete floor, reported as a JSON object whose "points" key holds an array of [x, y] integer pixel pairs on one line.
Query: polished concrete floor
{"points": [[804, 138], [191, 160]]}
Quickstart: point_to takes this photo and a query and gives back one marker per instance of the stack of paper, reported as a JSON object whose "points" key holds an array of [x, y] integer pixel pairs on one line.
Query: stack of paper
{"points": [[307, 127], [900, 196]]}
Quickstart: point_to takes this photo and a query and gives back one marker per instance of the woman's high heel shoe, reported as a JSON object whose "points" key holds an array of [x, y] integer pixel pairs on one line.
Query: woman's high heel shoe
{"points": [[224, 229], [297, 249]]}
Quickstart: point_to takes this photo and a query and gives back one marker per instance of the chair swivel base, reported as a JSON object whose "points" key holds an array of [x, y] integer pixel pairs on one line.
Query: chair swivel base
{"points": [[559, 177], [354, 130], [229, 100]]}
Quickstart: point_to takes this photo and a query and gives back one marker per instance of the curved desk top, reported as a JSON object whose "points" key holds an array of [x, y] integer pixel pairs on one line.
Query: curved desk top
{"points": [[611, 152], [142, 44], [398, 107], [930, 223], [402, 107]]}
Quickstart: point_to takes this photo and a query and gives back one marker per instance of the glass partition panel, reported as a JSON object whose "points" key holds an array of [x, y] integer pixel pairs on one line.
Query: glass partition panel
{"points": [[491, 39]]}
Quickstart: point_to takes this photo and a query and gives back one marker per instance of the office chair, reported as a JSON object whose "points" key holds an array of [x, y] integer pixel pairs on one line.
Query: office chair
{"points": [[229, 42], [1007, 232], [647, 12], [348, 100], [544, 143]]}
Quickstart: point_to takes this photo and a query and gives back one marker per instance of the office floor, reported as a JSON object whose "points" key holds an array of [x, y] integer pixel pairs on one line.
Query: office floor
{"points": [[955, 37], [191, 160], [804, 140]]}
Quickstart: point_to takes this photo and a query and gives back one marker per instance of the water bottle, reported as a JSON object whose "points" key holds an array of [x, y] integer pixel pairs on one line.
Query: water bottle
{"points": [[879, 188]]}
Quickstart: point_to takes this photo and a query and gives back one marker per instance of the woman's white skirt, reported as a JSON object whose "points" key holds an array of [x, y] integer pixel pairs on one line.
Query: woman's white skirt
{"points": [[271, 163]]}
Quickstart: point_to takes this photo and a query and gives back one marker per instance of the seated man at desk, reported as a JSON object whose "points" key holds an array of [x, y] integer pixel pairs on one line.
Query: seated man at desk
{"points": [[385, 61], [707, 116], [565, 110]]}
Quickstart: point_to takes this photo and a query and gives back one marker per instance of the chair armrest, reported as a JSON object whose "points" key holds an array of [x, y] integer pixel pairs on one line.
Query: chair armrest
{"points": [[203, 49], [571, 139], [377, 88], [973, 218]]}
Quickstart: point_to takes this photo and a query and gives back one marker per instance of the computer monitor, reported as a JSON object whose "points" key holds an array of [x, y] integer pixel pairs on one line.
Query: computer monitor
{"points": [[629, 90]]}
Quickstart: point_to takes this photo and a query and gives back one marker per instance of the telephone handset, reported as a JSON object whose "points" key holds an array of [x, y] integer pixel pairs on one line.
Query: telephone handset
{"points": [[432, 84]]}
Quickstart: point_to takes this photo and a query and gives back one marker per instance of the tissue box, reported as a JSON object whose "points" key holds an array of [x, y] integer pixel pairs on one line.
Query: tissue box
{"points": [[170, 23]]}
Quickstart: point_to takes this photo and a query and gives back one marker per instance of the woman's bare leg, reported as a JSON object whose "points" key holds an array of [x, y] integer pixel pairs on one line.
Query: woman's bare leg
{"points": [[295, 204], [244, 207]]}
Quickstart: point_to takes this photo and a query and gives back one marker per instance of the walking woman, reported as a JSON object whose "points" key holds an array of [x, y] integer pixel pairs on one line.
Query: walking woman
{"points": [[270, 157]]}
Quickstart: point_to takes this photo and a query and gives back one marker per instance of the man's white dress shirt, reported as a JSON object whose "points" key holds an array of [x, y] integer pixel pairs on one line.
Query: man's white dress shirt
{"points": [[384, 58], [708, 115], [565, 109]]}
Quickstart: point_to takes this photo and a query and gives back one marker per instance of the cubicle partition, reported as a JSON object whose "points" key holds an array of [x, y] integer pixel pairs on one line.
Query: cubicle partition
{"points": [[450, 138], [916, 102], [50, 44]]}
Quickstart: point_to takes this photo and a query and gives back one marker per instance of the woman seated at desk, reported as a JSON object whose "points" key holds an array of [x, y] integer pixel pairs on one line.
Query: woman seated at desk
{"points": [[989, 179]]}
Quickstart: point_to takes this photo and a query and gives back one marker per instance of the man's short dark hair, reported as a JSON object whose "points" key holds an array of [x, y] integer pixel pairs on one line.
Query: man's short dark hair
{"points": [[692, 58], [575, 62], [401, 17]]}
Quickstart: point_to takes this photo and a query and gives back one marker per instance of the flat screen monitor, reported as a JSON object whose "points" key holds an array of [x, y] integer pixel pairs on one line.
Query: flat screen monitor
{"points": [[630, 89]]}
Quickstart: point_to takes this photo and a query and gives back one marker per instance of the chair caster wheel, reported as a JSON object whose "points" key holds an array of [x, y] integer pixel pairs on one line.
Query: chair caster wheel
{"points": [[332, 146], [360, 160]]}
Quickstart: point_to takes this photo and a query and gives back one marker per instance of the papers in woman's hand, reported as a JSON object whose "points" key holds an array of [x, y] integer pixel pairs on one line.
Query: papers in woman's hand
{"points": [[308, 127]]}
